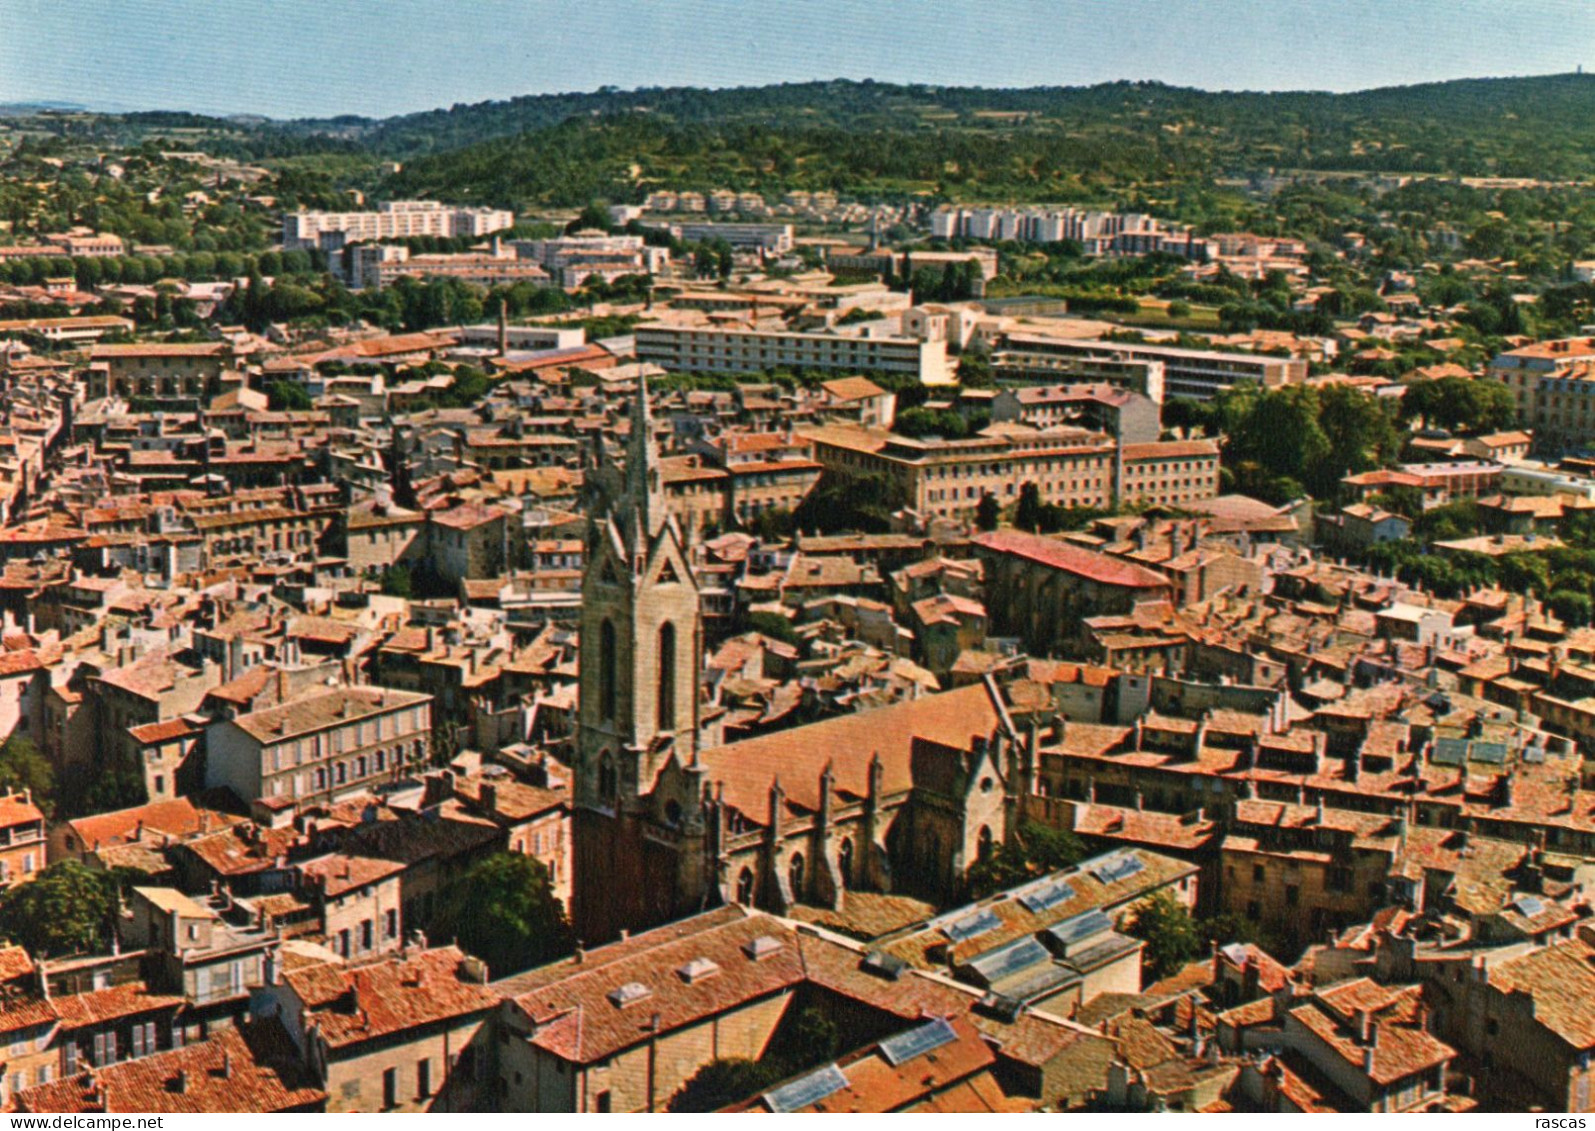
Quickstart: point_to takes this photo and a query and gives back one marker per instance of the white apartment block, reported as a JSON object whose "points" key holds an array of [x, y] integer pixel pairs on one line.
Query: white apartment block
{"points": [[711, 349], [397, 219], [1101, 233]]}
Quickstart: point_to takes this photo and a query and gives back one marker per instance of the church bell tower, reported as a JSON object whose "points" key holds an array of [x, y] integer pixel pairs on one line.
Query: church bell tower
{"points": [[641, 643]]}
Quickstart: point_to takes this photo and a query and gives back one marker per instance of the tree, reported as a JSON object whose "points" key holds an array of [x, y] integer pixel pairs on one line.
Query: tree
{"points": [[396, 582], [773, 625], [504, 911], [1035, 850], [986, 512], [1462, 404], [721, 1083], [66, 909], [1171, 935], [286, 396], [23, 767], [1027, 515]]}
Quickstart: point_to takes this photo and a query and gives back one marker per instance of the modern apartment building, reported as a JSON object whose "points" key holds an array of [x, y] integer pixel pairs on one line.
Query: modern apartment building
{"points": [[396, 219], [713, 349], [1197, 374], [773, 238], [1101, 233]]}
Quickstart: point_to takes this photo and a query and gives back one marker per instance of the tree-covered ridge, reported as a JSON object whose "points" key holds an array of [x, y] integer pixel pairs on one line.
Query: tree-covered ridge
{"points": [[1519, 127]]}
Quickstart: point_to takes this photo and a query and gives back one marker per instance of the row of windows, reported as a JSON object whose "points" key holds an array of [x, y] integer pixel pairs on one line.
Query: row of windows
{"points": [[342, 773]]}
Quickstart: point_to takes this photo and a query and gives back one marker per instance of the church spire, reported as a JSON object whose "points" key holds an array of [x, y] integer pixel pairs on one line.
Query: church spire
{"points": [[645, 491]]}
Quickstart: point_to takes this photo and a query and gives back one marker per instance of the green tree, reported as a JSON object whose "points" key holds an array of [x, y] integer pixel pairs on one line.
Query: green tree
{"points": [[286, 396], [721, 1083], [22, 766], [66, 909], [986, 512], [1171, 935], [503, 911], [1027, 515], [396, 581]]}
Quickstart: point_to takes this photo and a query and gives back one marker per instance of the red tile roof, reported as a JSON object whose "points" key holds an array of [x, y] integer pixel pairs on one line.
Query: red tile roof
{"points": [[1072, 559], [397, 994], [250, 1069], [847, 743]]}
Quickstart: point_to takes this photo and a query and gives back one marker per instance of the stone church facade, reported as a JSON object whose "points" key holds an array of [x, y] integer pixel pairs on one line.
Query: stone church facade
{"points": [[900, 799]]}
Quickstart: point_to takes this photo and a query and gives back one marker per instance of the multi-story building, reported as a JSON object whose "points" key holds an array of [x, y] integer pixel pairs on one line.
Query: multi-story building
{"points": [[765, 471], [1039, 589], [380, 265], [1197, 374], [1131, 417], [398, 1034], [160, 371], [1168, 472], [323, 746], [775, 239], [22, 842], [1523, 370], [703, 348], [1071, 467], [397, 219]]}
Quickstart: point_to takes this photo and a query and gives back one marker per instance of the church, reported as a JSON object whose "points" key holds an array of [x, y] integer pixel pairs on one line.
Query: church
{"points": [[899, 799]]}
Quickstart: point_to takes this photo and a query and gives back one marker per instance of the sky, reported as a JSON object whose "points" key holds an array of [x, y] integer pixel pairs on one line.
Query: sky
{"points": [[316, 58]]}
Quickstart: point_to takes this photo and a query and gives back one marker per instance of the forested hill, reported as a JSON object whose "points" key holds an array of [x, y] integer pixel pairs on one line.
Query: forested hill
{"points": [[1055, 143], [1043, 143]]}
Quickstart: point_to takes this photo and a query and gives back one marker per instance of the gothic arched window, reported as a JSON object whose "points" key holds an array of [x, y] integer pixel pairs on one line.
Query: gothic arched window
{"points": [[666, 659], [745, 887], [606, 670], [794, 875], [608, 783], [983, 843], [844, 862]]}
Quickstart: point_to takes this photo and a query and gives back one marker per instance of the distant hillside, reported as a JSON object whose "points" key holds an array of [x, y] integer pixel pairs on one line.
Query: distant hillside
{"points": [[1053, 143]]}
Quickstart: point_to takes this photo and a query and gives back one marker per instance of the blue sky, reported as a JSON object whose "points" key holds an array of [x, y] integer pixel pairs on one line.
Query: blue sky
{"points": [[288, 58]]}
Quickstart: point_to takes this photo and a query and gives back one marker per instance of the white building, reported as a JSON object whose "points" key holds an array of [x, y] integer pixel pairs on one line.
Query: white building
{"points": [[397, 219]]}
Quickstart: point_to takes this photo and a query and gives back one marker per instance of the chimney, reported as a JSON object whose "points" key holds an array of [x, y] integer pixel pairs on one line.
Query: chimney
{"points": [[489, 797], [182, 1081], [1363, 1020]]}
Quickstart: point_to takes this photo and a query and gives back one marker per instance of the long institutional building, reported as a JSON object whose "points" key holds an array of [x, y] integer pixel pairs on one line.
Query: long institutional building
{"points": [[1197, 374], [1071, 467], [397, 219], [709, 349]]}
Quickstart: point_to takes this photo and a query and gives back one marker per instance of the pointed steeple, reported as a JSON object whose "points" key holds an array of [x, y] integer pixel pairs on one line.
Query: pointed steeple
{"points": [[644, 505]]}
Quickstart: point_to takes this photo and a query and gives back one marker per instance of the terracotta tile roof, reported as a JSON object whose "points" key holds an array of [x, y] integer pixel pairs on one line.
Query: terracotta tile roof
{"points": [[79, 1011], [163, 731], [1170, 449], [799, 756], [341, 873], [875, 1084], [336, 707], [248, 1069], [1073, 559], [366, 1003], [16, 809], [14, 963], [596, 1027], [467, 516], [852, 388], [176, 818], [1561, 981]]}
